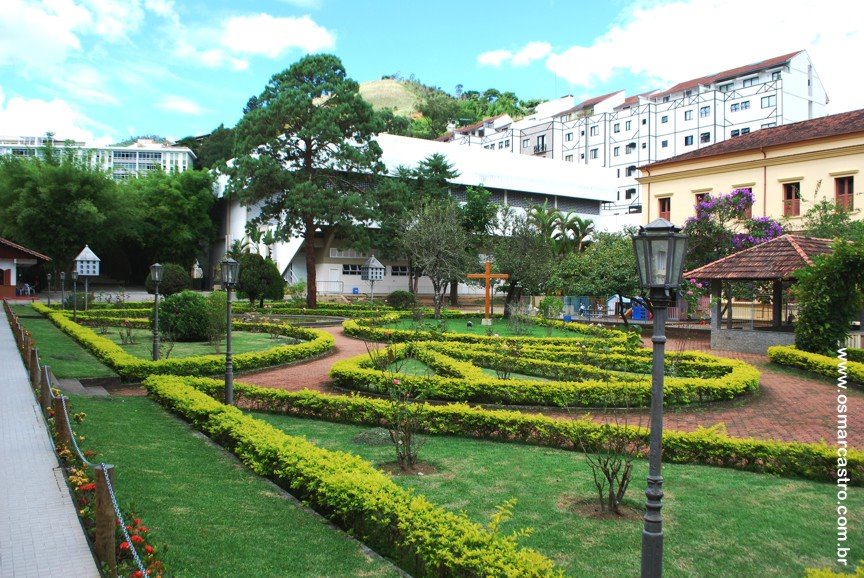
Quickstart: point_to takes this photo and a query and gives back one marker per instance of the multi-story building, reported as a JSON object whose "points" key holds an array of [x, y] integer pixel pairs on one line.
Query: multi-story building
{"points": [[137, 158], [624, 133]]}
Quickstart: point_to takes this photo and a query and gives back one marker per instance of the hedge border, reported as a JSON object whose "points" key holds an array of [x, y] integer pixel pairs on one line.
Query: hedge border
{"points": [[131, 368], [704, 446], [422, 537], [791, 356]]}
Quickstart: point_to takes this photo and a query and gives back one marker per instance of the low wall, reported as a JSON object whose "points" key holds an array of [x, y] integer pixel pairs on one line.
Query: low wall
{"points": [[748, 340]]}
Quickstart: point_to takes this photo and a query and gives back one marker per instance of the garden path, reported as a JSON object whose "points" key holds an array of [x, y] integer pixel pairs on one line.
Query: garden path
{"points": [[788, 407]]}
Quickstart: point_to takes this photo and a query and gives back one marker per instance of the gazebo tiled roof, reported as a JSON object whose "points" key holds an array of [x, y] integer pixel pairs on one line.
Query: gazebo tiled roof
{"points": [[776, 259], [29, 252]]}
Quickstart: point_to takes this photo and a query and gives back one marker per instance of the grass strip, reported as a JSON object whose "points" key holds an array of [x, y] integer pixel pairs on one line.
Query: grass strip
{"points": [[216, 517]]}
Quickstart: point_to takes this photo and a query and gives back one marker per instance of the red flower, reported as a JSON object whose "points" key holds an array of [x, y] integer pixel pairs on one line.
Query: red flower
{"points": [[137, 521], [137, 539], [149, 549], [124, 545], [137, 574], [88, 487]]}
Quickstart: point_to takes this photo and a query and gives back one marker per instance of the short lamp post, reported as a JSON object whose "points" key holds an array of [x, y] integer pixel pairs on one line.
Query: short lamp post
{"points": [[74, 295], [50, 276], [62, 289], [660, 248], [156, 277], [230, 273]]}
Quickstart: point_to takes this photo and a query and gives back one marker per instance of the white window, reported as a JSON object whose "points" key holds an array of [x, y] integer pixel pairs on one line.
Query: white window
{"points": [[688, 140], [568, 158], [775, 75], [399, 270], [704, 111], [745, 130], [631, 170], [644, 121], [734, 107], [629, 193], [630, 148], [745, 105], [688, 115], [568, 137], [593, 153], [644, 145], [749, 81], [769, 101], [595, 130], [500, 144], [735, 132], [628, 125], [350, 269], [688, 93], [769, 124], [616, 151], [616, 127], [664, 119]]}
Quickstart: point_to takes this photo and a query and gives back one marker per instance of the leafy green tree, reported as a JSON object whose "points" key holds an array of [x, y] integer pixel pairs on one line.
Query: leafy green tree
{"points": [[212, 149], [174, 280], [58, 202], [172, 214], [439, 109], [828, 221], [526, 255], [435, 241], [259, 279], [305, 152], [606, 268]]}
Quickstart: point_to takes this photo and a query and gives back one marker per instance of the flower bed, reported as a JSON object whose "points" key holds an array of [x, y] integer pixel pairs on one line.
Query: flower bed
{"points": [[132, 368], [822, 364], [423, 538], [704, 446], [583, 377]]}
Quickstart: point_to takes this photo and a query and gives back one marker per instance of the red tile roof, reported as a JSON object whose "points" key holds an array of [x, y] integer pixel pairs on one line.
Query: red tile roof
{"points": [[587, 103], [778, 258], [23, 249], [845, 123], [727, 74]]}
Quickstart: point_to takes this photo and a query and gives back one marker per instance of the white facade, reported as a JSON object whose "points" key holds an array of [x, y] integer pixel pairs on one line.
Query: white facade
{"points": [[626, 133], [139, 158]]}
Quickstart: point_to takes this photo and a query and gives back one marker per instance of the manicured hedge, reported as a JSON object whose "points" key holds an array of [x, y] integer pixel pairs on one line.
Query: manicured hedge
{"points": [[132, 368], [595, 380], [821, 364], [710, 446], [423, 538]]}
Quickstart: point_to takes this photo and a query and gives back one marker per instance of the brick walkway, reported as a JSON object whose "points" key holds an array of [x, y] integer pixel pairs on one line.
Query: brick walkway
{"points": [[787, 407], [39, 530]]}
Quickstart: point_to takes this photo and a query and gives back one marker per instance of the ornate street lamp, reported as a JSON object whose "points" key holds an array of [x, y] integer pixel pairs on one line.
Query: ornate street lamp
{"points": [[156, 276], [230, 273], [62, 289], [50, 276], [660, 248], [74, 295]]}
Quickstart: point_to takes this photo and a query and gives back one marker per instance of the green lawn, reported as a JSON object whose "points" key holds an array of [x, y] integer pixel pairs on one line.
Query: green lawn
{"points": [[499, 327], [716, 521], [66, 358], [241, 342], [217, 518]]}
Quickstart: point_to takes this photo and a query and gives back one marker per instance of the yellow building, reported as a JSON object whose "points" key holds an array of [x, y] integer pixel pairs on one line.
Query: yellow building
{"points": [[787, 168]]}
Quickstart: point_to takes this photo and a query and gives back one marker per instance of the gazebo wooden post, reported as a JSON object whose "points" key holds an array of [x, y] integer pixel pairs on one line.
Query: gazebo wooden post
{"points": [[777, 303], [716, 296], [728, 305]]}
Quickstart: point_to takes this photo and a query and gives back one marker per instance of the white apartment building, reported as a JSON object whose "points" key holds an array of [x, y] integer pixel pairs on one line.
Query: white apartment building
{"points": [[624, 133], [138, 158]]}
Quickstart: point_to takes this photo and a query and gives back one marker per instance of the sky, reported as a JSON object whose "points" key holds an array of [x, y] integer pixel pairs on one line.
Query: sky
{"points": [[104, 70]]}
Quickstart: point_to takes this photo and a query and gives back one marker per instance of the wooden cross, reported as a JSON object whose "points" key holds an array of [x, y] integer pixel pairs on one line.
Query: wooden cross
{"points": [[488, 276]]}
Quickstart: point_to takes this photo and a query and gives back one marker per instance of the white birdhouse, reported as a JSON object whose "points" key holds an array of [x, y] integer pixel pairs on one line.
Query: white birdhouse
{"points": [[372, 270], [87, 263]]}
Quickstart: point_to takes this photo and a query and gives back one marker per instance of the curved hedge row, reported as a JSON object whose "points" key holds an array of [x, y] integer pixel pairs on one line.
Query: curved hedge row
{"points": [[131, 368], [424, 538], [370, 329], [710, 446], [579, 384], [821, 364]]}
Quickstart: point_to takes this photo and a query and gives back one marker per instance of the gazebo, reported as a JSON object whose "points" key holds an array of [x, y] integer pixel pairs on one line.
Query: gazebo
{"points": [[775, 261], [12, 257]]}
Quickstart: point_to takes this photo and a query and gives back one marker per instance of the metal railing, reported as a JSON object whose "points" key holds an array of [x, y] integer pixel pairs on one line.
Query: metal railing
{"points": [[107, 509]]}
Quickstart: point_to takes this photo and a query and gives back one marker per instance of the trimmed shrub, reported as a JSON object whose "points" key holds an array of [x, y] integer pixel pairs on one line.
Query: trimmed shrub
{"points": [[259, 279], [401, 300], [184, 317], [821, 364], [174, 280]]}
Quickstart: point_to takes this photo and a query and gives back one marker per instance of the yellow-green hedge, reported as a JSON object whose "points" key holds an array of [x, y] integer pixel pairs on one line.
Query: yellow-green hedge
{"points": [[822, 364], [424, 538], [585, 383], [132, 368], [706, 446]]}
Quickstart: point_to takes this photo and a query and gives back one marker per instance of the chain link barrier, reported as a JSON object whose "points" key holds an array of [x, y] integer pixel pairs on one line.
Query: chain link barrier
{"points": [[72, 434], [120, 519]]}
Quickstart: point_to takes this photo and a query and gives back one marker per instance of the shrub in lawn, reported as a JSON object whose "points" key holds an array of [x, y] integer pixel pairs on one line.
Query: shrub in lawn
{"points": [[401, 300], [259, 279], [174, 280], [217, 318], [184, 316], [77, 301], [551, 307]]}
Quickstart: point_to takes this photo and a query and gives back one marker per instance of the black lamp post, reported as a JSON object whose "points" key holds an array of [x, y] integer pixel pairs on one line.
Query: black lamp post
{"points": [[660, 248], [156, 276], [50, 276], [62, 289], [74, 295], [230, 273]]}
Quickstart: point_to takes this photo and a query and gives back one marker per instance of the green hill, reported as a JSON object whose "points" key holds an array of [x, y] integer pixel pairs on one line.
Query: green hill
{"points": [[390, 93]]}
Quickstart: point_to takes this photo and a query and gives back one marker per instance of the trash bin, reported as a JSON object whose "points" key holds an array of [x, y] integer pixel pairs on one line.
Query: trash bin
{"points": [[355, 291], [568, 318], [639, 313]]}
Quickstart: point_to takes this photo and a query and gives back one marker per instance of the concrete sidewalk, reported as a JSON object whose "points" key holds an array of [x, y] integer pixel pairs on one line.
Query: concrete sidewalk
{"points": [[39, 530]]}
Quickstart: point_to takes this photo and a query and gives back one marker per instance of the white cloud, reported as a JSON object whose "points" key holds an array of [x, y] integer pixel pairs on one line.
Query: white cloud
{"points": [[85, 83], [174, 103], [114, 20], [669, 43], [494, 58], [531, 52], [39, 36], [34, 117], [271, 36]]}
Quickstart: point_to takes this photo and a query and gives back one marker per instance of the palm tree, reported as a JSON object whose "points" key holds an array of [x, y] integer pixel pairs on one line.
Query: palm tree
{"points": [[562, 235], [581, 230], [542, 218]]}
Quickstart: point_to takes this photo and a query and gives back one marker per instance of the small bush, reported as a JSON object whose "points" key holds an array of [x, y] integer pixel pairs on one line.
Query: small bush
{"points": [[402, 300], [184, 317], [217, 318], [78, 301], [174, 280]]}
